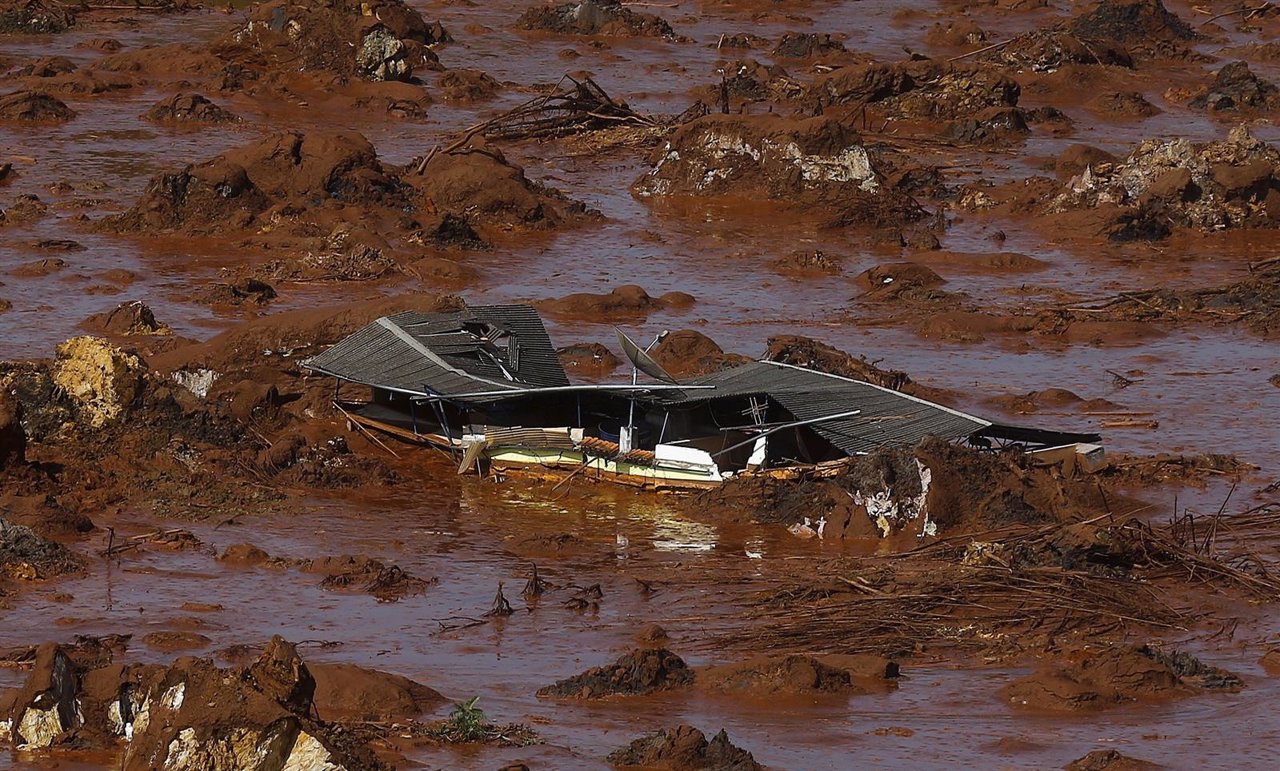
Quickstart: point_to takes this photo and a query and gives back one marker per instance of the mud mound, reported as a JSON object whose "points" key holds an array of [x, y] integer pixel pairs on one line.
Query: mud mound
{"points": [[34, 107], [1211, 186], [587, 359], [818, 163], [34, 17], [807, 263], [595, 17], [189, 108], [1122, 104], [346, 692], [27, 556], [47, 67], [1110, 760], [688, 353], [126, 319], [635, 673], [1236, 88], [307, 172], [468, 86], [477, 184], [1114, 32], [628, 301], [897, 281], [1099, 679], [382, 40], [684, 748], [772, 676]]}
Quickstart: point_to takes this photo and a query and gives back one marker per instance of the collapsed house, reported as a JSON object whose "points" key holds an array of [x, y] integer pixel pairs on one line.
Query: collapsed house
{"points": [[485, 384]]}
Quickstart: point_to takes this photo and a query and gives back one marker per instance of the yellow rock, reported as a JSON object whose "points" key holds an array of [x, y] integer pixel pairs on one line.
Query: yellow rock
{"points": [[99, 377]]}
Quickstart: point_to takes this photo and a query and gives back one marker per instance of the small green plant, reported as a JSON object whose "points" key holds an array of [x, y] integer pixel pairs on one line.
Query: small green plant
{"points": [[466, 722]]}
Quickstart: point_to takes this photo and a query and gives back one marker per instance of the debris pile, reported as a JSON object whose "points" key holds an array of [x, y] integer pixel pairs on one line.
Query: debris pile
{"points": [[820, 163], [1235, 88], [576, 107], [1176, 183], [594, 17], [378, 41], [35, 17]]}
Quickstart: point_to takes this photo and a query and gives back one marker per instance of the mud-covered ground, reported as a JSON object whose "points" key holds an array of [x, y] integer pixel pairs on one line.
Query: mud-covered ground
{"points": [[1047, 213]]}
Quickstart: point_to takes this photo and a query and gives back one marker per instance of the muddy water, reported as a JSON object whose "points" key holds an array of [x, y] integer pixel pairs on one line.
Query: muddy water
{"points": [[1207, 387]]}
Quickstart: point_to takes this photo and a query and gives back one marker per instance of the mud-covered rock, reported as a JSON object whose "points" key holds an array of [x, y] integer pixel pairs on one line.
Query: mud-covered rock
{"points": [[347, 692], [594, 17], [189, 108], [688, 353], [1122, 104], [126, 319], [1236, 88], [101, 380], [47, 67], [638, 672], [684, 748], [1231, 184], [994, 125], [628, 301], [820, 163], [34, 107], [808, 45]]}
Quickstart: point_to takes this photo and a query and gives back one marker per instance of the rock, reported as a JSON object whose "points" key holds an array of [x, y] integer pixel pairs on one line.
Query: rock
{"points": [[684, 748], [189, 108], [635, 673], [1109, 760], [13, 438], [382, 56], [131, 318], [1249, 181], [101, 380], [44, 709], [280, 674], [346, 692], [34, 107], [1235, 87]]}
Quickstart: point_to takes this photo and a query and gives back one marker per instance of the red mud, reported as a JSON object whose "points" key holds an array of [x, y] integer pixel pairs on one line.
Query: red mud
{"points": [[1074, 229]]}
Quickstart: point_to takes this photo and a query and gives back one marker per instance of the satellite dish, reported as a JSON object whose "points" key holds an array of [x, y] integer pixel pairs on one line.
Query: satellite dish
{"points": [[642, 360]]}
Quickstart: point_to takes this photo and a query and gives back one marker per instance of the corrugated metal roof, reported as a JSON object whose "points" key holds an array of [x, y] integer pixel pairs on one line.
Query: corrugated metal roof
{"points": [[887, 418], [435, 353]]}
